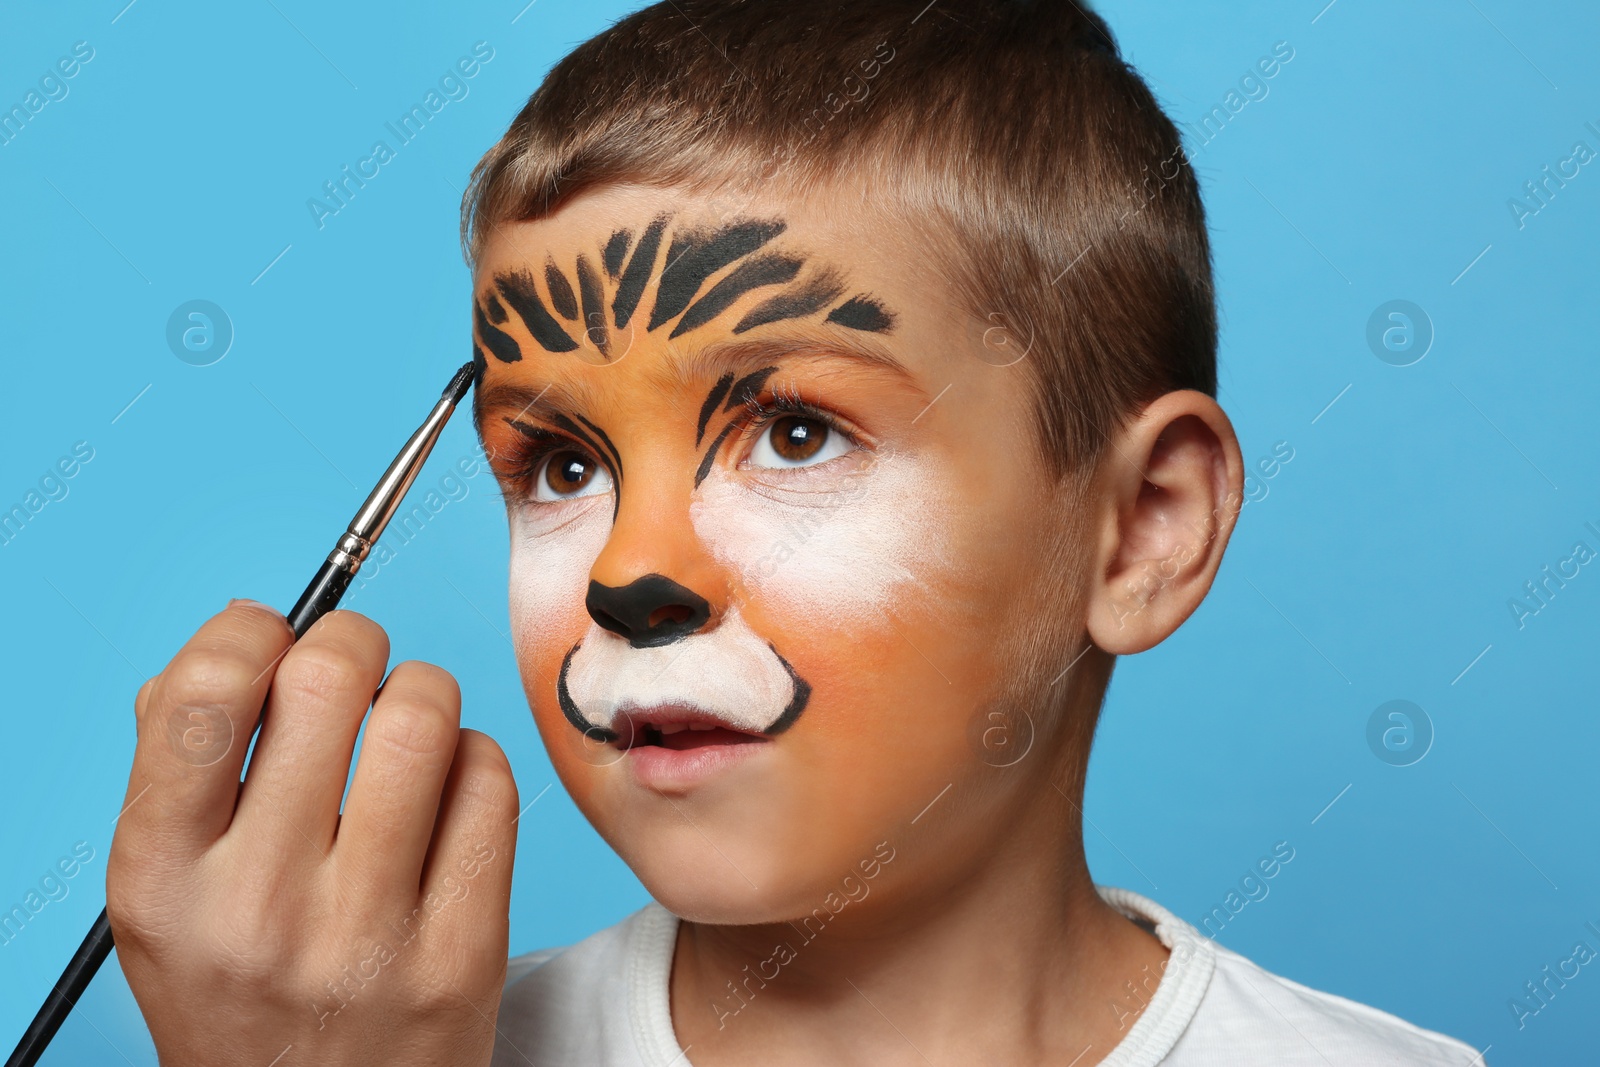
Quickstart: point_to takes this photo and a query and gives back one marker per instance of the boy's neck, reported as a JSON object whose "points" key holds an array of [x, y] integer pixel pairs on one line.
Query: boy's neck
{"points": [[1016, 959]]}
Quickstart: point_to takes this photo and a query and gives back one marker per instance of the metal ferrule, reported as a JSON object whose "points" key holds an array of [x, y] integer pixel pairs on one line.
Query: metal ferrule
{"points": [[350, 553], [380, 507]]}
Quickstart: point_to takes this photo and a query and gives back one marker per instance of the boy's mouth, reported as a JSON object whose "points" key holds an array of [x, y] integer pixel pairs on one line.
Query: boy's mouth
{"points": [[677, 728]]}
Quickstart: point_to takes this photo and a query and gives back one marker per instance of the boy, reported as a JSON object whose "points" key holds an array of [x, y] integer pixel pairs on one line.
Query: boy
{"points": [[848, 371]]}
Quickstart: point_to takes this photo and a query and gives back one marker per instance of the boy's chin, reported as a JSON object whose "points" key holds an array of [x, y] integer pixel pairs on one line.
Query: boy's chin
{"points": [[702, 889], [716, 905]]}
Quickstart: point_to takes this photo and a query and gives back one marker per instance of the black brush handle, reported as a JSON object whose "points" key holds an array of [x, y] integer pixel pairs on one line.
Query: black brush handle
{"points": [[320, 597], [73, 981]]}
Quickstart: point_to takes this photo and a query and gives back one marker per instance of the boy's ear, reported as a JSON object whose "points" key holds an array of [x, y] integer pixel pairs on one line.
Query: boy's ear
{"points": [[1170, 489]]}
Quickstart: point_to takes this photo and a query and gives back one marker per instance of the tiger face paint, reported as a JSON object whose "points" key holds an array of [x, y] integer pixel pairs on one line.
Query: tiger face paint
{"points": [[771, 526]]}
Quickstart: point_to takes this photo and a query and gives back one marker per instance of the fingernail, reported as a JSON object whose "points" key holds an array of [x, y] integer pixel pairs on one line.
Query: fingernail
{"points": [[253, 604]]}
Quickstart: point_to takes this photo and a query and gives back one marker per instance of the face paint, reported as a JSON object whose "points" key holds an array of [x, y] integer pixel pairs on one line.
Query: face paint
{"points": [[523, 297], [696, 255], [692, 257], [561, 297], [550, 562], [841, 558], [594, 316], [887, 574], [709, 406], [741, 393], [727, 673], [500, 343], [762, 270]]}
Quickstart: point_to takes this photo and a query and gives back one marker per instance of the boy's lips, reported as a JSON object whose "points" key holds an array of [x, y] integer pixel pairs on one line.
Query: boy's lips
{"points": [[672, 748], [678, 728]]}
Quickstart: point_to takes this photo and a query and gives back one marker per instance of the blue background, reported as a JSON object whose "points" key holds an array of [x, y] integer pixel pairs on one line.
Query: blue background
{"points": [[1376, 565]]}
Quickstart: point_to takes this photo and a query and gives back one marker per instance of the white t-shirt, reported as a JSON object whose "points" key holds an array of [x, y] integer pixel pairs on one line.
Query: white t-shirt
{"points": [[605, 1003]]}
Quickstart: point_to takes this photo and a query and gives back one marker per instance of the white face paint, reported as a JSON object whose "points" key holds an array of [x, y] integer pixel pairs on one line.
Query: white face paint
{"points": [[837, 554], [551, 556], [728, 672]]}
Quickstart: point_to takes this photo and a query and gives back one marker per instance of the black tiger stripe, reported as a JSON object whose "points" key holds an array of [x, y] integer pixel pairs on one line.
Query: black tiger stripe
{"points": [[771, 269], [862, 313], [711, 453], [713, 398], [616, 457], [561, 297], [519, 291], [640, 266], [695, 256], [615, 249], [748, 387], [501, 344], [810, 297], [594, 315]]}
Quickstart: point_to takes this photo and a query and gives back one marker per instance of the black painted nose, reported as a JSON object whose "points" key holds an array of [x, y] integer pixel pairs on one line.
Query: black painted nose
{"points": [[649, 611]]}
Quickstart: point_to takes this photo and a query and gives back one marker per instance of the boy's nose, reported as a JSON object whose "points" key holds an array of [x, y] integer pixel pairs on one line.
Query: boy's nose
{"points": [[651, 610]]}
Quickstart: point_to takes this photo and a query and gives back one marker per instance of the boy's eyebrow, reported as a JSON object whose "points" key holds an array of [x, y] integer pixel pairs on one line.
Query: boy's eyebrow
{"points": [[545, 401], [744, 355], [719, 357]]}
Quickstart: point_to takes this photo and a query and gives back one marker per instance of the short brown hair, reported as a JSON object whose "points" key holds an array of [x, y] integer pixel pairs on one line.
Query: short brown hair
{"points": [[1041, 164]]}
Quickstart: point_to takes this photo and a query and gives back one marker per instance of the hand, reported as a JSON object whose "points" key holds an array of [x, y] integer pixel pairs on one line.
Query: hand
{"points": [[255, 924]]}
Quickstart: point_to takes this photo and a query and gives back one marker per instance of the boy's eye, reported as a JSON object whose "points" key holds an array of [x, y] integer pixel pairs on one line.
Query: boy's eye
{"points": [[566, 474], [797, 441]]}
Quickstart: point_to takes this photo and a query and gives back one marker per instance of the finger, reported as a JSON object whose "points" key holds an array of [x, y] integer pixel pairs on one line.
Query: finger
{"points": [[469, 861], [195, 722], [406, 755], [141, 699], [290, 802]]}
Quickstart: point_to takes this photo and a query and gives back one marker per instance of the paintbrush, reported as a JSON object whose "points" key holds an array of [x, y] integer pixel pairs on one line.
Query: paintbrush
{"points": [[320, 597]]}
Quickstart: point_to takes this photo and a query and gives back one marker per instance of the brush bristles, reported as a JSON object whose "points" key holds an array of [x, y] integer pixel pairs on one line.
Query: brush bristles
{"points": [[459, 385]]}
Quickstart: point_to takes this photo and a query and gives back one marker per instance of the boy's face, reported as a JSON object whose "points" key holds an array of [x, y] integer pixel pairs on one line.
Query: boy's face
{"points": [[779, 535]]}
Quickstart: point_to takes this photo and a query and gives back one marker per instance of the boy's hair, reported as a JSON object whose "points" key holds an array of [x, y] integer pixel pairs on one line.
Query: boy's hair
{"points": [[1045, 183]]}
